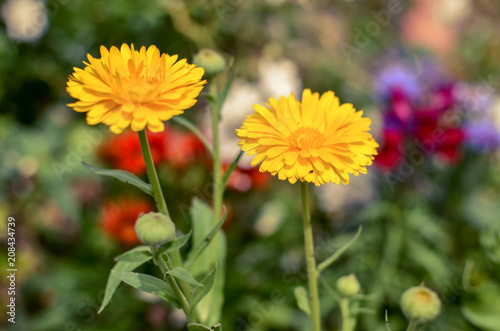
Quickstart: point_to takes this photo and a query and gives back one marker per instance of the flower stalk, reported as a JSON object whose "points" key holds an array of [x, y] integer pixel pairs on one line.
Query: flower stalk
{"points": [[312, 273], [158, 196]]}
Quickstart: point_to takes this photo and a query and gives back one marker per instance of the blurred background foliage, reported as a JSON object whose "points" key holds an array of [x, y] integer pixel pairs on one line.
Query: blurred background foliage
{"points": [[434, 220]]}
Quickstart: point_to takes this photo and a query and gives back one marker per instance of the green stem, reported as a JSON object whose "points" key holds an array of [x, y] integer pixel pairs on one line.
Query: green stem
{"points": [[218, 189], [412, 326], [191, 127], [312, 274], [152, 175], [346, 318], [159, 199], [160, 262]]}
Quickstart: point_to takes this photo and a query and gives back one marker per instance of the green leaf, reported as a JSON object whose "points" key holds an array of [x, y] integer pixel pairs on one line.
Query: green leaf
{"points": [[326, 263], [482, 308], [201, 291], [114, 282], [231, 168], [183, 274], [387, 325], [136, 254], [149, 284], [175, 244], [225, 91], [302, 300], [123, 176], [199, 247]]}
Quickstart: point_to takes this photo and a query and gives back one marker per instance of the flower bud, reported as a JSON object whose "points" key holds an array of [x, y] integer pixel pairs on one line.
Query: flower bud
{"points": [[348, 285], [155, 229], [420, 303], [211, 61]]}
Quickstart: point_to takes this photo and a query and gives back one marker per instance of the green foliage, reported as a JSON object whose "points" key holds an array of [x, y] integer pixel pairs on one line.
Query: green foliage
{"points": [[123, 176], [149, 284], [301, 297]]}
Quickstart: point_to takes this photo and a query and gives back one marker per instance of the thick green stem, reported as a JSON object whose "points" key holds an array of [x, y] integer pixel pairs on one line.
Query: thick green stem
{"points": [[159, 199], [412, 326], [312, 274], [160, 262], [346, 315]]}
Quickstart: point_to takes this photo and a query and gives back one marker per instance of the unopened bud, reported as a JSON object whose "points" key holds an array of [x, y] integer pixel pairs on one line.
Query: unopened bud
{"points": [[348, 285], [420, 303], [155, 229], [211, 61]]}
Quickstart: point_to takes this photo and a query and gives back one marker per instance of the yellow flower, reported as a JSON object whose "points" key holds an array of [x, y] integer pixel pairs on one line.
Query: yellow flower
{"points": [[126, 87], [316, 140]]}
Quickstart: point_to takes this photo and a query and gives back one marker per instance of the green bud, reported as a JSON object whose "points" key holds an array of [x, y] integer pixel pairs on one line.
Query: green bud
{"points": [[211, 61], [155, 229], [420, 303], [348, 285]]}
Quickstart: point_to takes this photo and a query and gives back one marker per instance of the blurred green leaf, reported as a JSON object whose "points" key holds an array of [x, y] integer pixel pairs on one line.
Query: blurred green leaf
{"points": [[483, 308], [201, 291], [326, 263], [123, 176], [135, 254], [149, 284], [199, 247], [302, 301], [183, 274], [225, 91], [231, 168], [114, 281]]}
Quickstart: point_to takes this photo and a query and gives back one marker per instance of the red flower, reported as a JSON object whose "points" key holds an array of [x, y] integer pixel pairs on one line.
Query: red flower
{"points": [[389, 156], [119, 217], [244, 179], [181, 148], [124, 151]]}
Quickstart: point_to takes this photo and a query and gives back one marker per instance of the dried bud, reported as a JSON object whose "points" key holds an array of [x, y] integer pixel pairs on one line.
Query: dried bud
{"points": [[210, 60], [348, 285], [420, 303], [155, 229]]}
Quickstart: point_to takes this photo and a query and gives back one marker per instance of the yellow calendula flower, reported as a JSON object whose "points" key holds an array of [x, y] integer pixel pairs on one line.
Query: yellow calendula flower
{"points": [[140, 89], [315, 140]]}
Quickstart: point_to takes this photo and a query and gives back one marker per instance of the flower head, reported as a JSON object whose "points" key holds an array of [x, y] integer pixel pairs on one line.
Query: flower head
{"points": [[420, 303], [140, 89], [314, 140]]}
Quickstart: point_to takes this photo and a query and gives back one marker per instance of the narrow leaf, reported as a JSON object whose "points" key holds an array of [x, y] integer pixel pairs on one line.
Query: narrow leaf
{"points": [[175, 244], [114, 282], [387, 325], [197, 250], [149, 284], [183, 274], [326, 263], [302, 300], [201, 291], [123, 176], [231, 168], [198, 327], [138, 253], [225, 91]]}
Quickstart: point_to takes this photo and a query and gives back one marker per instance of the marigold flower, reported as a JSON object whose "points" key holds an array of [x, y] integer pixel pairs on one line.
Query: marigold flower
{"points": [[316, 140], [126, 87]]}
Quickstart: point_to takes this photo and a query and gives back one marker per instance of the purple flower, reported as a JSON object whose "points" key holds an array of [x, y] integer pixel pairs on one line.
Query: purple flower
{"points": [[483, 135], [397, 79]]}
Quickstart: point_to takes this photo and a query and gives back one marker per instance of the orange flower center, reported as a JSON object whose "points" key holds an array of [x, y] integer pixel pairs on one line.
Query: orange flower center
{"points": [[139, 90], [306, 138]]}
